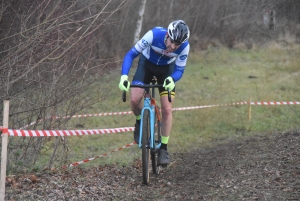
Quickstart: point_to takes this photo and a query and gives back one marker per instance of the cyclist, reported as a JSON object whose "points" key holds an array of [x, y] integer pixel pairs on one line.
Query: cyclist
{"points": [[163, 53]]}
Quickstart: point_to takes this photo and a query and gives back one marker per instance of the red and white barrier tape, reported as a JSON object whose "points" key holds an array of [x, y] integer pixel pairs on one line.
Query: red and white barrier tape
{"points": [[100, 114], [275, 103], [51, 133], [128, 112], [238, 103], [90, 159], [32, 123], [174, 109], [81, 115], [208, 106]]}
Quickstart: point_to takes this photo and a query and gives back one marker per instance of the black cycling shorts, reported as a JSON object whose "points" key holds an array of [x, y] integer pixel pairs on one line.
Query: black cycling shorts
{"points": [[146, 70]]}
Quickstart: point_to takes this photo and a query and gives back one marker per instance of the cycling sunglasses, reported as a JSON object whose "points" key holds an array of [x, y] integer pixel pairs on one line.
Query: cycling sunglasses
{"points": [[176, 43]]}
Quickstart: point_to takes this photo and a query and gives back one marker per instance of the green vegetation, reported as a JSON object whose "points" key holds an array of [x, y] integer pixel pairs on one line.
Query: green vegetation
{"points": [[214, 76]]}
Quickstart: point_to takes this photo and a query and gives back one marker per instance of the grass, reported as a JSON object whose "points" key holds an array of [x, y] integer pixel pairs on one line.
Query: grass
{"points": [[214, 76]]}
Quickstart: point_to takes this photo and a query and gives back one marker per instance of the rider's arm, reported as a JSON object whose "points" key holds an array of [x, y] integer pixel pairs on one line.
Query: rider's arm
{"points": [[142, 44], [129, 57], [180, 63], [178, 72]]}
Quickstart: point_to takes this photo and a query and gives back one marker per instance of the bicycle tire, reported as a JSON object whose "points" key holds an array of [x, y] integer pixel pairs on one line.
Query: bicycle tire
{"points": [[154, 155], [145, 146]]}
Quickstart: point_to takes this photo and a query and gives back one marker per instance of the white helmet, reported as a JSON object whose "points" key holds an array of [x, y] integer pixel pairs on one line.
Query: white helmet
{"points": [[179, 31]]}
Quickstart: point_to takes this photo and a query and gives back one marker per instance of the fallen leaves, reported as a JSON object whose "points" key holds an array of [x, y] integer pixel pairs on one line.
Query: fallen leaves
{"points": [[264, 168]]}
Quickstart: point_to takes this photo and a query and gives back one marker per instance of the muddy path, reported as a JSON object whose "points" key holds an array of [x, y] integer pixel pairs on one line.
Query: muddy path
{"points": [[258, 168]]}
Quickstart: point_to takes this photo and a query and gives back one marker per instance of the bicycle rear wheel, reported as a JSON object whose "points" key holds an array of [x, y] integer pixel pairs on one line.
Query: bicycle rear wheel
{"points": [[145, 146], [154, 156]]}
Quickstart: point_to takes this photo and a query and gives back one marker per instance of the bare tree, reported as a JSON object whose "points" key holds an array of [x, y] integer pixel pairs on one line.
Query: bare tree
{"points": [[51, 55], [139, 23]]}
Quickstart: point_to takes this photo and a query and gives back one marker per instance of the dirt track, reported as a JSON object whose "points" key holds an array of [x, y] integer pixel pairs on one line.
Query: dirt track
{"points": [[260, 168]]}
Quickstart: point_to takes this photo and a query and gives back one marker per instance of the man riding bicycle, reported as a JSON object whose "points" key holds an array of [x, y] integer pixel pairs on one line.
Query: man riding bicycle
{"points": [[163, 53]]}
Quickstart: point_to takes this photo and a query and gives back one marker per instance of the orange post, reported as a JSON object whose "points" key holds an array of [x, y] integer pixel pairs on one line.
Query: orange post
{"points": [[249, 110]]}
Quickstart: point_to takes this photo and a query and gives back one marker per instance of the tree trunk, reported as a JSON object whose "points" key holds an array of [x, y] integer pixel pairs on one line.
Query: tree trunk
{"points": [[139, 23]]}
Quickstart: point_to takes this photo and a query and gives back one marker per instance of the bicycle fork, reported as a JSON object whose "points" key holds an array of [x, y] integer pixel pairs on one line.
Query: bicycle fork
{"points": [[151, 109]]}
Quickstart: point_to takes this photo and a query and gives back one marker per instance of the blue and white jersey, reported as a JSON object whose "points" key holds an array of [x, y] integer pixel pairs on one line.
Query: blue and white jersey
{"points": [[152, 46]]}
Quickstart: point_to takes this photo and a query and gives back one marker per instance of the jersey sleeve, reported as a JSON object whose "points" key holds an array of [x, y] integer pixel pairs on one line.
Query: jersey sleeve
{"points": [[136, 50], [180, 64]]}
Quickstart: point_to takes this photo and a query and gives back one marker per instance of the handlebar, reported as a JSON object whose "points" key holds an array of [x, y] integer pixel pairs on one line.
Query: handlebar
{"points": [[144, 87]]}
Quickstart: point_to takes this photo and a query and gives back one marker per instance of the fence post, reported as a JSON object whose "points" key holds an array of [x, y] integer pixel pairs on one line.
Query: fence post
{"points": [[4, 148], [249, 109]]}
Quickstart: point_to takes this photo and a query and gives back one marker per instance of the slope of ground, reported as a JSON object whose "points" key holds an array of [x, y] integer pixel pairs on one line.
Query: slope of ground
{"points": [[259, 168]]}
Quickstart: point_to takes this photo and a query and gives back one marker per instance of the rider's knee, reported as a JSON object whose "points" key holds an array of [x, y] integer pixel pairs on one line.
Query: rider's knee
{"points": [[134, 101], [166, 111], [136, 96]]}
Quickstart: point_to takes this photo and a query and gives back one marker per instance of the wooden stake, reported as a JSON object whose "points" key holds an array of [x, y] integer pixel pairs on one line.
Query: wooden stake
{"points": [[249, 109], [4, 148]]}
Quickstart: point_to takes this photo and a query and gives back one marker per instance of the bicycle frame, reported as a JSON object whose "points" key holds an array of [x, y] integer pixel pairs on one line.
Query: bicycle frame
{"points": [[150, 104]]}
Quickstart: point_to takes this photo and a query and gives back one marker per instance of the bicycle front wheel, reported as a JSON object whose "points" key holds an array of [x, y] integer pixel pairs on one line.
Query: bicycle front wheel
{"points": [[145, 146]]}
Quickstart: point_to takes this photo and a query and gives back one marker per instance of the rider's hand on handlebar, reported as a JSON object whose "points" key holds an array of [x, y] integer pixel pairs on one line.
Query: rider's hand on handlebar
{"points": [[169, 83], [122, 85]]}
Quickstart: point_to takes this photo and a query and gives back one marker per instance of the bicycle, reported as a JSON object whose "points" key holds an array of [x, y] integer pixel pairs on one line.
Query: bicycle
{"points": [[150, 136]]}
